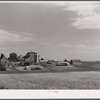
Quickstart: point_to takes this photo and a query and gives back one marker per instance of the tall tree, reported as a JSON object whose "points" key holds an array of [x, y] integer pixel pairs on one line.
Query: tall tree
{"points": [[42, 58], [65, 60], [2, 55], [13, 57]]}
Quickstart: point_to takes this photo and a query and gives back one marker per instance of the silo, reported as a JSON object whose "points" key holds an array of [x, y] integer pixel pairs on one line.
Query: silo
{"points": [[36, 58]]}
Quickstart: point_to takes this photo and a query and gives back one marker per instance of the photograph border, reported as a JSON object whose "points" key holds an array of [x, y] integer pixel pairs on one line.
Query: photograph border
{"points": [[48, 94]]}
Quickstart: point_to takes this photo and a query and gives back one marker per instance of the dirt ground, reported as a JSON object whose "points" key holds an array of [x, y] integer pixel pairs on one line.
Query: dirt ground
{"points": [[61, 80]]}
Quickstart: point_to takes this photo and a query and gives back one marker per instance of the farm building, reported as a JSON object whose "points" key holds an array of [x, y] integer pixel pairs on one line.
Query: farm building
{"points": [[76, 62], [31, 58], [62, 63], [20, 58], [4, 63], [51, 62]]}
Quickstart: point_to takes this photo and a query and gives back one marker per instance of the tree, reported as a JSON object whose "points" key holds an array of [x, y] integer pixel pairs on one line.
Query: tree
{"points": [[65, 60], [28, 54], [13, 57], [42, 59], [2, 62], [2, 56]]}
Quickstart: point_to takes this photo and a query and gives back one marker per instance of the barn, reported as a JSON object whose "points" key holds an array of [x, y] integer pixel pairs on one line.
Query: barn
{"points": [[31, 58], [76, 62], [20, 58]]}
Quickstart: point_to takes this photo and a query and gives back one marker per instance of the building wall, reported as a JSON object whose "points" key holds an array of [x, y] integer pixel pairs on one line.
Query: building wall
{"points": [[33, 59], [75, 62]]}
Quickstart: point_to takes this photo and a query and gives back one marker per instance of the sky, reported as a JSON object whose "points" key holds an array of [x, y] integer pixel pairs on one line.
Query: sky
{"points": [[55, 30]]}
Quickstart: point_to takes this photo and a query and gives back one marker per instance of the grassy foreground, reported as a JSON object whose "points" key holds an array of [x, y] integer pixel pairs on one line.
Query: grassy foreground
{"points": [[86, 76], [61, 80]]}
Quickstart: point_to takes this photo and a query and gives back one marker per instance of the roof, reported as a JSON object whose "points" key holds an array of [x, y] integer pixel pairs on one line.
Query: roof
{"points": [[76, 60], [20, 57]]}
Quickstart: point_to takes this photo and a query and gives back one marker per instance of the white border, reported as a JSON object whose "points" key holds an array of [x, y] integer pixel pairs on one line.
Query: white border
{"points": [[46, 94], [49, 94]]}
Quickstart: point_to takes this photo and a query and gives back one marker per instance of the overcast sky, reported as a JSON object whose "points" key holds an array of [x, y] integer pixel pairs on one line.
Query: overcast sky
{"points": [[56, 31]]}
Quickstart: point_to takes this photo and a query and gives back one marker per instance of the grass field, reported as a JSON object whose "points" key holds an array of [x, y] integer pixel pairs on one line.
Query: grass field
{"points": [[86, 76], [91, 65], [64, 80]]}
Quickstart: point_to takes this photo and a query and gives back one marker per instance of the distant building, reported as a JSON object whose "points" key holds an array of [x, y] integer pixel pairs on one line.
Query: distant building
{"points": [[4, 63], [51, 62], [62, 63], [76, 62]]}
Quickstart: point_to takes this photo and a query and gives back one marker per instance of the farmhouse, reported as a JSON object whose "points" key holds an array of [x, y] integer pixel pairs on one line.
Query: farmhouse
{"points": [[4, 63], [76, 62]]}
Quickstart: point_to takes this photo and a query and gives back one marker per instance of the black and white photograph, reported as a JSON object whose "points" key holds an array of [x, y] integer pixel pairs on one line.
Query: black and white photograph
{"points": [[50, 45]]}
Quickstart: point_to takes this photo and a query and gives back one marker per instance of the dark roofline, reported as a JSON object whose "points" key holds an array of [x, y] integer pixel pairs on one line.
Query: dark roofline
{"points": [[75, 60]]}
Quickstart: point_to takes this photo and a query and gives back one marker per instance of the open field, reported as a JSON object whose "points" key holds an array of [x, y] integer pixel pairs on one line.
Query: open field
{"points": [[86, 76], [85, 66], [94, 65], [65, 80]]}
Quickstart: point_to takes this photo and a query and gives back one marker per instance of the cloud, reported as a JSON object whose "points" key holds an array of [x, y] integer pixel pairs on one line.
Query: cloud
{"points": [[74, 46], [92, 42], [81, 46], [65, 45], [44, 43], [87, 52], [14, 36], [3, 48], [87, 14]]}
